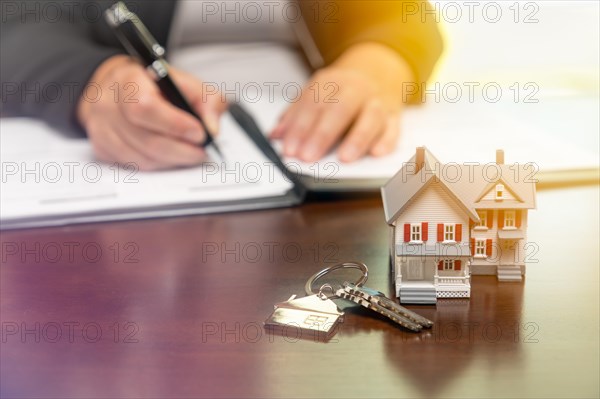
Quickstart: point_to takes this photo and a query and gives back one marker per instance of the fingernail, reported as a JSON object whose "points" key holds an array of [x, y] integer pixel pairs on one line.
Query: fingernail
{"points": [[212, 122], [310, 152], [194, 136], [291, 147], [349, 154], [379, 150], [276, 132]]}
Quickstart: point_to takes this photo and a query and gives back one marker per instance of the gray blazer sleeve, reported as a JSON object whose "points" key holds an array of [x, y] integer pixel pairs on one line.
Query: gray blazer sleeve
{"points": [[48, 54]]}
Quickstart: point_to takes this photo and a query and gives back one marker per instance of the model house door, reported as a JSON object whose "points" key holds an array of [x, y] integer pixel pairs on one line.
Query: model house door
{"points": [[508, 252], [415, 270]]}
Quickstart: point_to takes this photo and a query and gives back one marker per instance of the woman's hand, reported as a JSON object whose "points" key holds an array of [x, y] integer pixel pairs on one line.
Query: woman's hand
{"points": [[359, 102], [129, 121]]}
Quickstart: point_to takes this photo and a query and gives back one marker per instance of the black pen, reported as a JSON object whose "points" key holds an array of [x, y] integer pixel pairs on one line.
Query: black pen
{"points": [[139, 43]]}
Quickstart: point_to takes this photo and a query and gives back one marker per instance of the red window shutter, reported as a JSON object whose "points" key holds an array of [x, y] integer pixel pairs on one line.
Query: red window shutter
{"points": [[406, 232], [424, 231], [488, 247], [457, 264], [441, 265], [440, 235], [458, 233], [500, 220], [472, 247], [490, 219], [518, 218], [471, 224]]}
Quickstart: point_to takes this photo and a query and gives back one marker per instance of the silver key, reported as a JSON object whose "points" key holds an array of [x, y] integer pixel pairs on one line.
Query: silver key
{"points": [[309, 315], [395, 317], [380, 299]]}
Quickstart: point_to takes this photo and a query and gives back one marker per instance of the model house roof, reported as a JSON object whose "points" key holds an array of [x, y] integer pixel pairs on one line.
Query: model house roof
{"points": [[472, 185]]}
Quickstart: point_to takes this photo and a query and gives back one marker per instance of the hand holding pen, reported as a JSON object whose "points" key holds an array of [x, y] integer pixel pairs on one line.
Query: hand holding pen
{"points": [[129, 120]]}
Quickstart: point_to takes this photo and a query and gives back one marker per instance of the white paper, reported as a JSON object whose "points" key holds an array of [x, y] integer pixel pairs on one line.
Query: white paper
{"points": [[454, 133], [552, 132], [47, 174]]}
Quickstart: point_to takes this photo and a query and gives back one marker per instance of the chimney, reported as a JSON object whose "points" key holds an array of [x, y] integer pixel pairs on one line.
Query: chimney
{"points": [[500, 157], [419, 159]]}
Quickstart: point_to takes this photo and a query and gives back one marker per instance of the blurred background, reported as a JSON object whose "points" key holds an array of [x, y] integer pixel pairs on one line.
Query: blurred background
{"points": [[552, 44]]}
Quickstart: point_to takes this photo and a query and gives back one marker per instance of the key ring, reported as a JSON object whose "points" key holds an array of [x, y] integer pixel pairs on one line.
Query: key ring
{"points": [[346, 265]]}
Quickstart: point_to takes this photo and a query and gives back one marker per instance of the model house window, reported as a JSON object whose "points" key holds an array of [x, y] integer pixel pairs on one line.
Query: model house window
{"points": [[499, 191], [415, 232], [480, 247], [482, 218], [509, 218], [448, 264], [448, 232]]}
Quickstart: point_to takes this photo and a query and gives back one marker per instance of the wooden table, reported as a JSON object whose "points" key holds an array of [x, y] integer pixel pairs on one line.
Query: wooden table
{"points": [[174, 308]]}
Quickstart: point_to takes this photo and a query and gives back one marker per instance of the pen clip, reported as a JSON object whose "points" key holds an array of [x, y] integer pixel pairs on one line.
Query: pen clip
{"points": [[117, 16]]}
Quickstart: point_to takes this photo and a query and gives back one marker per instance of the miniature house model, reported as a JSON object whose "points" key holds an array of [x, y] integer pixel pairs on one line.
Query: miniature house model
{"points": [[448, 221]]}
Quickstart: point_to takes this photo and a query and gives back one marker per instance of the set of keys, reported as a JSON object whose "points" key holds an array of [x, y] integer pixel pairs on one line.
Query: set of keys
{"points": [[318, 314], [378, 302]]}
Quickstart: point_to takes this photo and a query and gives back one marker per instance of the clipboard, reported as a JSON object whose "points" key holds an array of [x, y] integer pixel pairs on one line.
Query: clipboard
{"points": [[292, 196]]}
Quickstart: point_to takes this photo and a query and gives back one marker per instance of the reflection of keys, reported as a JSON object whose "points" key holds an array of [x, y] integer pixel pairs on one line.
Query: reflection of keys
{"points": [[395, 317], [310, 314], [380, 299]]}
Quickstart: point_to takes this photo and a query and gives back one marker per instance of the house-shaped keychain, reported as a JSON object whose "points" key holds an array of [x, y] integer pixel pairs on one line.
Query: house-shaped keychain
{"points": [[448, 221]]}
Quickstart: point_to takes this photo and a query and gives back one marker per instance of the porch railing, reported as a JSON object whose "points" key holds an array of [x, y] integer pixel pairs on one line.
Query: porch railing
{"points": [[452, 280]]}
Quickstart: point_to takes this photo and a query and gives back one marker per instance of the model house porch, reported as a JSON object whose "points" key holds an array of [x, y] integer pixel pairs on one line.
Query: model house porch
{"points": [[425, 272]]}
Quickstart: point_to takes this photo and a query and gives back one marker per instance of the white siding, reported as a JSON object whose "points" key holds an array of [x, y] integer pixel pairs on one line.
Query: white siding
{"points": [[504, 204], [508, 199], [508, 255], [491, 195], [433, 205]]}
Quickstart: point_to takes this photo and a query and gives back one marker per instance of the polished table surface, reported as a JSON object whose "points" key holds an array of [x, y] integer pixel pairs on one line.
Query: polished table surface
{"points": [[174, 308]]}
